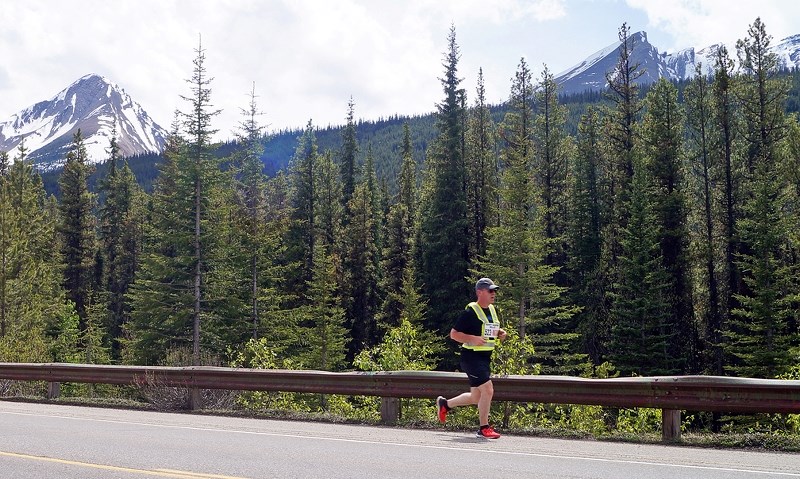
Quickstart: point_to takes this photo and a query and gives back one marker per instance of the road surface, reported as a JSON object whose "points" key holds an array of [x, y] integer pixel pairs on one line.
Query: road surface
{"points": [[60, 441]]}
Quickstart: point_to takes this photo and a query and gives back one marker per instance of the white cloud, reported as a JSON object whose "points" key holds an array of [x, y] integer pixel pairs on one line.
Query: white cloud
{"points": [[308, 57], [701, 23]]}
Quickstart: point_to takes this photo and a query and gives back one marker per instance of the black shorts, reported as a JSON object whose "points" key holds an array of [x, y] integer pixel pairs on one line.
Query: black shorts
{"points": [[477, 366]]}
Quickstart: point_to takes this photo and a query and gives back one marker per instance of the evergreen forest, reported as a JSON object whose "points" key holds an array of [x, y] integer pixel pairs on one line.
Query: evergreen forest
{"points": [[645, 230]]}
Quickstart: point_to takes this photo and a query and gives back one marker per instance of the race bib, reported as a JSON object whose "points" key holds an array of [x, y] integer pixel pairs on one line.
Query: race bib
{"points": [[491, 330]]}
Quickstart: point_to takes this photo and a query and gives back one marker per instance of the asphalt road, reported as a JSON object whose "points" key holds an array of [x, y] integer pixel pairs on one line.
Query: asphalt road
{"points": [[55, 441]]}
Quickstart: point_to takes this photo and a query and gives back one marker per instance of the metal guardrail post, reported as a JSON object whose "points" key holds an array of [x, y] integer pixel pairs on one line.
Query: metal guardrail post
{"points": [[670, 425]]}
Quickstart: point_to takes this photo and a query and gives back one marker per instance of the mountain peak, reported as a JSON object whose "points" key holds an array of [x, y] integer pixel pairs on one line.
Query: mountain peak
{"points": [[591, 73], [96, 106]]}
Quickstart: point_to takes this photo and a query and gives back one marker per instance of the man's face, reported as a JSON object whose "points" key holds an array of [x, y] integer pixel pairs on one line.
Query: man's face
{"points": [[486, 296]]}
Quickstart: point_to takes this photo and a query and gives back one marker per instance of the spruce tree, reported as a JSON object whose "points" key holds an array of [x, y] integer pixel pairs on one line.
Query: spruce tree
{"points": [[348, 157], [584, 241], [251, 209], [406, 346], [661, 137], [760, 335], [360, 264], [120, 242], [329, 212], [202, 169], [407, 181], [5, 241], [31, 294], [396, 260], [481, 170], [170, 298], [553, 148], [300, 241], [323, 338], [76, 228], [641, 330], [516, 243], [620, 130], [443, 239], [517, 248]]}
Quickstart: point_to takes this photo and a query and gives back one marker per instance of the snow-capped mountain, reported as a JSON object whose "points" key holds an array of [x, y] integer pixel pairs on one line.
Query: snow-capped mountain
{"points": [[590, 74], [96, 106]]}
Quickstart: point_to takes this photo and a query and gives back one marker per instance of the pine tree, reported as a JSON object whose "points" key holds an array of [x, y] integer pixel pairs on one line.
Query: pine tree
{"points": [[762, 96], [443, 240], [704, 176], [76, 228], [725, 118]]}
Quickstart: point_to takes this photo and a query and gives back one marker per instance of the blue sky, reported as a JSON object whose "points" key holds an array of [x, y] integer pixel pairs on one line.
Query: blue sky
{"points": [[308, 57]]}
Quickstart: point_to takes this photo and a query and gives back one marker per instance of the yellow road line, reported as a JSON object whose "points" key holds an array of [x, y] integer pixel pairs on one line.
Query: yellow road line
{"points": [[146, 472]]}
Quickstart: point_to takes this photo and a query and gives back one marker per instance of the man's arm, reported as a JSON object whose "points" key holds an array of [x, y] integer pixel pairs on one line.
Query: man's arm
{"points": [[467, 339]]}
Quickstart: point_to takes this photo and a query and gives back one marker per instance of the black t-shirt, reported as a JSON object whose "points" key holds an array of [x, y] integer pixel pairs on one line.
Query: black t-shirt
{"points": [[469, 323]]}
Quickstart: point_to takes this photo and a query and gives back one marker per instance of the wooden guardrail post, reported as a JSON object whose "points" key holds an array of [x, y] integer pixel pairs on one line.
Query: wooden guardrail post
{"points": [[53, 390], [670, 425], [390, 410], [195, 399], [671, 394]]}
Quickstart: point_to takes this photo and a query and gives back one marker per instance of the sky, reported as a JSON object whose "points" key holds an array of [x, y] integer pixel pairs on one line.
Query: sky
{"points": [[305, 59]]}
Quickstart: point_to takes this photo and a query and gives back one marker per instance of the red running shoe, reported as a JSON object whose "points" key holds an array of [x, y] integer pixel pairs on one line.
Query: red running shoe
{"points": [[488, 432], [441, 408]]}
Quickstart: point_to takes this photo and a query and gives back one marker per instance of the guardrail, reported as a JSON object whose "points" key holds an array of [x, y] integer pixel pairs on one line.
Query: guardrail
{"points": [[672, 394]]}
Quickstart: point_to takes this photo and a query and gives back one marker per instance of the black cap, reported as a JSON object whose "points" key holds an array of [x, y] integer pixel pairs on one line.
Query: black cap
{"points": [[485, 283]]}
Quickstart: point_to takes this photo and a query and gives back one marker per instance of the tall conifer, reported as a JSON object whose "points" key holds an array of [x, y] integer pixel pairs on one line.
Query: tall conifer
{"points": [[171, 304], [704, 191], [76, 227], [584, 238], [482, 170], [444, 243], [761, 335], [662, 136]]}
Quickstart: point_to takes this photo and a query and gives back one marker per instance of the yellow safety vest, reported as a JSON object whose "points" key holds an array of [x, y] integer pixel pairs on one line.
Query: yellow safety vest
{"points": [[490, 329]]}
